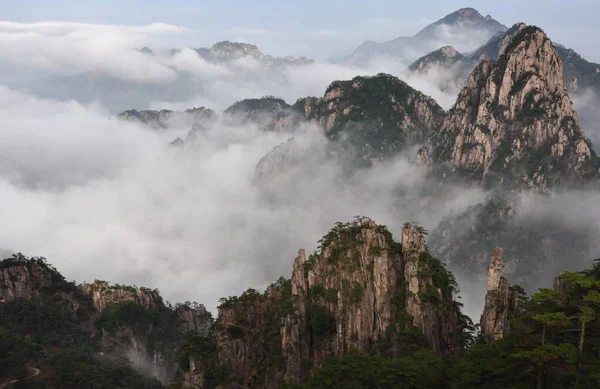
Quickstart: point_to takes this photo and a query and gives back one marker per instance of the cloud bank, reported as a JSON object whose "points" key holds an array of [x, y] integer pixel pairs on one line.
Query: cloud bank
{"points": [[102, 198]]}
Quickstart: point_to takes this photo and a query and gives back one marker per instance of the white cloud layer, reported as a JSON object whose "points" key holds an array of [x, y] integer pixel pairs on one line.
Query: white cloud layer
{"points": [[67, 48], [101, 198]]}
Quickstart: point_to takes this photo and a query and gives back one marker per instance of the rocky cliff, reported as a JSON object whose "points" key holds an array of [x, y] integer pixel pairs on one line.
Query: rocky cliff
{"points": [[123, 321], [513, 124], [360, 290], [369, 118]]}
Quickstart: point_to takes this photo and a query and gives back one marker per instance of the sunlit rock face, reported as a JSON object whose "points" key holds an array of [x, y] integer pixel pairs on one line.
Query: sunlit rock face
{"points": [[513, 123], [361, 290]]}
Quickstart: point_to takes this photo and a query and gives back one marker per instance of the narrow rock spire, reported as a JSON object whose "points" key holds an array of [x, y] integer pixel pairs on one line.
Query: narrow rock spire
{"points": [[499, 301]]}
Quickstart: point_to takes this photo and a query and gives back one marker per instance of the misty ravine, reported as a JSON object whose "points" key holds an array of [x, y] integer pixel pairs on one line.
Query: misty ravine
{"points": [[420, 212]]}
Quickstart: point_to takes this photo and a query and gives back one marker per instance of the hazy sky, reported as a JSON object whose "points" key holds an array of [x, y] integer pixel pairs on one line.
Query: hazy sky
{"points": [[313, 28]]}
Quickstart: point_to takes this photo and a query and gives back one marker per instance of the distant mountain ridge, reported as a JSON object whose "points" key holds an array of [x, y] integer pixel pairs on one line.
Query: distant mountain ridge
{"points": [[579, 73], [463, 25], [227, 51]]}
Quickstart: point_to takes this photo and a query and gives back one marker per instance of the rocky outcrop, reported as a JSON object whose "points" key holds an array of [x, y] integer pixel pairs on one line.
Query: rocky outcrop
{"points": [[500, 301], [437, 326], [193, 318], [360, 291], [227, 51], [513, 124], [403, 116], [368, 119], [128, 321], [266, 112], [104, 294], [165, 118], [23, 278], [443, 57]]}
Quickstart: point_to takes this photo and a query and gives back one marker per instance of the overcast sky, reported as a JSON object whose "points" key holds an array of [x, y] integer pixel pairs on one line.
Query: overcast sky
{"points": [[313, 28]]}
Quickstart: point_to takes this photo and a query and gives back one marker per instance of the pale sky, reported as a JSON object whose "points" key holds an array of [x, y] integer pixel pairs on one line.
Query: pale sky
{"points": [[317, 29]]}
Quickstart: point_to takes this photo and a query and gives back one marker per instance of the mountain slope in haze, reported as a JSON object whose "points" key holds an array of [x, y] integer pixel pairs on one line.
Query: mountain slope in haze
{"points": [[227, 51], [512, 133], [463, 29], [165, 118], [579, 73], [370, 117], [195, 73]]}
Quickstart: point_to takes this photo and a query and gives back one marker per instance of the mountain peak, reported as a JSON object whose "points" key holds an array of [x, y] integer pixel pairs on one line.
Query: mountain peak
{"points": [[444, 56], [514, 123], [469, 13], [464, 17]]}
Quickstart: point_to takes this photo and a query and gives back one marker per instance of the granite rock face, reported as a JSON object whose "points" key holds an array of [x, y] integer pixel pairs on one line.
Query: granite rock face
{"points": [[513, 123], [361, 290]]}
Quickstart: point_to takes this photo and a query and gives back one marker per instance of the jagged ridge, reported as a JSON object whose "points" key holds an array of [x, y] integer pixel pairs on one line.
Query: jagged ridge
{"points": [[360, 290]]}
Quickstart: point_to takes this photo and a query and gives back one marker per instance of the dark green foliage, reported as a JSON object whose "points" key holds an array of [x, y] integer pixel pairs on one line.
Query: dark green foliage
{"points": [[433, 268], [157, 325], [48, 324], [275, 315], [46, 337], [421, 370], [235, 332], [216, 376], [356, 293], [543, 343], [320, 321], [194, 345], [15, 353], [378, 107], [317, 290], [247, 296], [331, 295], [575, 66], [264, 110], [335, 255], [430, 295]]}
